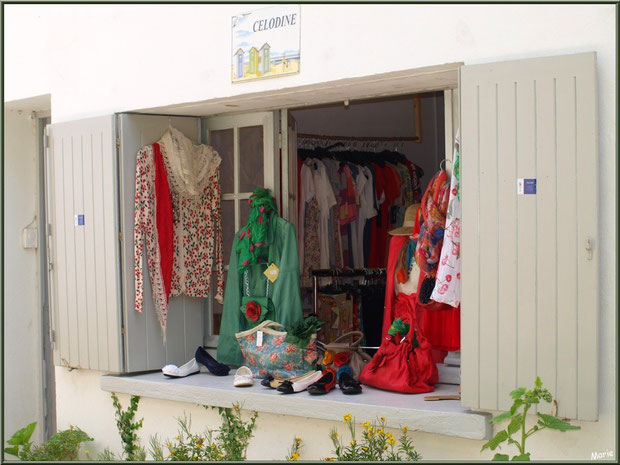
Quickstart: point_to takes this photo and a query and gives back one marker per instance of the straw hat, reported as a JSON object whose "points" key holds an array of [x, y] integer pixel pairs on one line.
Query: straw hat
{"points": [[407, 228]]}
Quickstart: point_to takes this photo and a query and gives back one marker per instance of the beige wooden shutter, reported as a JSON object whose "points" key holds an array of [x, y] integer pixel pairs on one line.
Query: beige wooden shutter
{"points": [[530, 262], [84, 252]]}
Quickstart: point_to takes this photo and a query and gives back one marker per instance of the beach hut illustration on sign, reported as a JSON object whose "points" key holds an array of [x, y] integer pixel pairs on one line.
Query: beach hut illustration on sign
{"points": [[265, 62], [239, 55], [253, 63]]}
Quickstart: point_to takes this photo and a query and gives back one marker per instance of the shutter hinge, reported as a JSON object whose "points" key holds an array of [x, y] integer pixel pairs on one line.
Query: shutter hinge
{"points": [[279, 140], [589, 247], [52, 336], [123, 330], [118, 143], [120, 237]]}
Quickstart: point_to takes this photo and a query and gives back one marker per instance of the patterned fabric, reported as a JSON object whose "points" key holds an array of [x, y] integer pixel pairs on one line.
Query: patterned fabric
{"points": [[252, 240], [434, 208], [312, 246], [448, 280], [276, 356], [145, 230], [337, 312], [193, 177]]}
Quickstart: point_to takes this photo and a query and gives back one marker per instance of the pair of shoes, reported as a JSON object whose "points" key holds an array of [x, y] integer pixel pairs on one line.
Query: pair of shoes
{"points": [[348, 385], [243, 377], [215, 367], [173, 371], [299, 383], [324, 384]]}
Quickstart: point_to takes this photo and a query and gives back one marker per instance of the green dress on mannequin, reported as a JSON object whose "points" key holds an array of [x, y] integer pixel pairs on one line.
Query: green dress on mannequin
{"points": [[274, 242]]}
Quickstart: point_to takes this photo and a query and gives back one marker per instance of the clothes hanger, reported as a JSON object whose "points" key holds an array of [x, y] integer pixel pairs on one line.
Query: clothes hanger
{"points": [[444, 162]]}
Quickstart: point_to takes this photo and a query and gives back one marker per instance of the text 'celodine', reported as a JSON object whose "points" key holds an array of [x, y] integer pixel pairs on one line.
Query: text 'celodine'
{"points": [[272, 23]]}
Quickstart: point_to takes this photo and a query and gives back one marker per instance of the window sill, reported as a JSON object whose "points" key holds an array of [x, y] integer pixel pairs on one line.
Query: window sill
{"points": [[445, 417]]}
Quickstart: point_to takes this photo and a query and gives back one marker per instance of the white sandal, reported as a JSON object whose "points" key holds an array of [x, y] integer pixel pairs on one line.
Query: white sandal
{"points": [[173, 371], [243, 377]]}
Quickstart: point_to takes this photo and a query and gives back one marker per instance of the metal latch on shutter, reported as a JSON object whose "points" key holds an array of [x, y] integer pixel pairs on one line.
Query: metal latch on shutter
{"points": [[589, 247]]}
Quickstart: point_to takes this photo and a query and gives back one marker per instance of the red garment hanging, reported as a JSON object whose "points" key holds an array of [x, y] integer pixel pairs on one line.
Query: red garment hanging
{"points": [[163, 212]]}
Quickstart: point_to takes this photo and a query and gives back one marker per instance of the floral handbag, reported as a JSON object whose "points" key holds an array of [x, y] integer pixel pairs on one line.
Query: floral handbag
{"points": [[266, 351]]}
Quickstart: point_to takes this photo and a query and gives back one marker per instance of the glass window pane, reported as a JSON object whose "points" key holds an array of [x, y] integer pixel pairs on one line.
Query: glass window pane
{"points": [[244, 212], [250, 158], [222, 141], [228, 227], [217, 308]]}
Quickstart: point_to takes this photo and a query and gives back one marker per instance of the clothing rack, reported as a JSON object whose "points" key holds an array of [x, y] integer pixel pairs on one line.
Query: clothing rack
{"points": [[360, 138], [343, 273]]}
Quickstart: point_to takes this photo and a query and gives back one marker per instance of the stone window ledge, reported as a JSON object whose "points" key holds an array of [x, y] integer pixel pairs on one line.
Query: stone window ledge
{"points": [[445, 417]]}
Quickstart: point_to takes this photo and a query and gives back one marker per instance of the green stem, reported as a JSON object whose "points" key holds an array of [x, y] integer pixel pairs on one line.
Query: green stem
{"points": [[523, 435]]}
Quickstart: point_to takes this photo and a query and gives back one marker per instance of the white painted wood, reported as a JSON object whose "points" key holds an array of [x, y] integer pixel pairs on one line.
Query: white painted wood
{"points": [[530, 288], [145, 349], [85, 271], [271, 166], [444, 417]]}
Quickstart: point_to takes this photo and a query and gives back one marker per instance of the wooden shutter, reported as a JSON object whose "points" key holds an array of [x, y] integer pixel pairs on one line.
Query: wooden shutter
{"points": [[84, 253], [530, 262], [185, 327]]}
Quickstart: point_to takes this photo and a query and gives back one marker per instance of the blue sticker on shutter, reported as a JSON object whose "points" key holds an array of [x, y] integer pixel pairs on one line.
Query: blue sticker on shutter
{"points": [[529, 186]]}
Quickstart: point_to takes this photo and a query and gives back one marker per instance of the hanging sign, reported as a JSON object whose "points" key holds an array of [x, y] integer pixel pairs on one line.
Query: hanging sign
{"points": [[265, 43]]}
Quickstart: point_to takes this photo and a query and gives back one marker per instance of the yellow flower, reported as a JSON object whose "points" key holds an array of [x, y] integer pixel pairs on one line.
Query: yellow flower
{"points": [[382, 419], [366, 424], [366, 448], [86, 452], [298, 440], [212, 446], [169, 445], [199, 445], [347, 418], [405, 429], [329, 459], [353, 443], [177, 438], [380, 431], [388, 434], [295, 456], [371, 430], [391, 441], [172, 451]]}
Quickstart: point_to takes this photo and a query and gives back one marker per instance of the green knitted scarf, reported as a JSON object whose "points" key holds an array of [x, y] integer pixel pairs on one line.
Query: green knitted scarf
{"points": [[252, 244]]}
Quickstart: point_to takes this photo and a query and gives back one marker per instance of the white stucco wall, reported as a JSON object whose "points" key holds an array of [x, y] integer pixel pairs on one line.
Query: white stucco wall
{"points": [[22, 314], [97, 59], [82, 403]]}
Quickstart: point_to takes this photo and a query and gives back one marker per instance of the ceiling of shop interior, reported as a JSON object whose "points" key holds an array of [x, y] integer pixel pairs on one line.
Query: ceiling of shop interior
{"points": [[394, 83]]}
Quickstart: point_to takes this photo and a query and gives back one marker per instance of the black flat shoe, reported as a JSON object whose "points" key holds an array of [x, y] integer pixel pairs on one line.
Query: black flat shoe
{"points": [[323, 385], [286, 387], [266, 381], [215, 367], [348, 385]]}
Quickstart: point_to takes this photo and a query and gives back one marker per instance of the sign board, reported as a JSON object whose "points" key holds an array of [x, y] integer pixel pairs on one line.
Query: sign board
{"points": [[526, 186], [265, 43]]}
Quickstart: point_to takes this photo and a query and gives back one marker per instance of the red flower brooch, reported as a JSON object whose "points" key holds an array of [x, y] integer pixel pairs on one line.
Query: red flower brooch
{"points": [[342, 358], [252, 310]]}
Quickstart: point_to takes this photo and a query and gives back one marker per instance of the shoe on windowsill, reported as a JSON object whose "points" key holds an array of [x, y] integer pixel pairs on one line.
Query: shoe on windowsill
{"points": [[173, 371], [215, 367]]}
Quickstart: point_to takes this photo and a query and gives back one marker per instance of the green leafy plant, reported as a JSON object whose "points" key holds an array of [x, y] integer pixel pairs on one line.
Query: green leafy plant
{"points": [[293, 453], [375, 444], [127, 428], [62, 446], [523, 401], [229, 442]]}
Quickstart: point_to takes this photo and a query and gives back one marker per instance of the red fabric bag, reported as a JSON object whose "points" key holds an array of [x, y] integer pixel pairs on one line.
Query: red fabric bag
{"points": [[398, 365]]}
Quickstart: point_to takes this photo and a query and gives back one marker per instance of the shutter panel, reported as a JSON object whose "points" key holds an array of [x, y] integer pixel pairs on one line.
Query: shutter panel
{"points": [[84, 244], [185, 327], [530, 286]]}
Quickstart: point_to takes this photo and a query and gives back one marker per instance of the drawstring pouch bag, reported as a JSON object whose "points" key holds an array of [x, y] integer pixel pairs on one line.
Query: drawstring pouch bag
{"points": [[266, 351], [403, 363], [256, 309], [348, 353]]}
